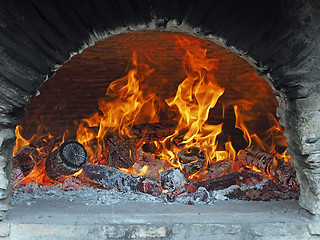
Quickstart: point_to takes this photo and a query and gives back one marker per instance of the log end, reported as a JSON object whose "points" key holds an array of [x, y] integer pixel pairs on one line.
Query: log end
{"points": [[73, 154]]}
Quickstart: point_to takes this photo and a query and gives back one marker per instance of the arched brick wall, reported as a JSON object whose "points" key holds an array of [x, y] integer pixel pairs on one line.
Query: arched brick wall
{"points": [[280, 38]]}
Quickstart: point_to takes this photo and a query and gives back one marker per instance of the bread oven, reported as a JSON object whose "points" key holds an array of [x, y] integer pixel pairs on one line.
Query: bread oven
{"points": [[246, 66]]}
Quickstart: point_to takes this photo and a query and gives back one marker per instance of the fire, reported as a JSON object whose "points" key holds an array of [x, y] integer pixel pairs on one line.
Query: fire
{"points": [[20, 141], [128, 102], [124, 104], [196, 95]]}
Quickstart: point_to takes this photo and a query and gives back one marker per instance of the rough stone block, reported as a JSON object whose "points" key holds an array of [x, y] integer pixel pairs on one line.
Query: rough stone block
{"points": [[210, 231], [4, 182], [4, 204], [134, 231], [4, 229], [313, 161], [310, 104], [5, 193], [304, 131], [279, 230], [313, 177], [314, 228], [310, 189]]}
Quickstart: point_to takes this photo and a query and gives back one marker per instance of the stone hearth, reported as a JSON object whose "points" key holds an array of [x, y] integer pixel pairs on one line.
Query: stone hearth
{"points": [[133, 220]]}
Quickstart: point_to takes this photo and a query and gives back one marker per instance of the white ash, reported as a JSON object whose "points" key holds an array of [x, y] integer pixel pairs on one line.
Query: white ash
{"points": [[222, 194], [89, 195], [71, 190], [172, 179]]}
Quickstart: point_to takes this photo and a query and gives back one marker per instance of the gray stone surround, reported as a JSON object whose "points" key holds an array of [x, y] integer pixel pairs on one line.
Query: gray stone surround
{"points": [[279, 38], [274, 220]]}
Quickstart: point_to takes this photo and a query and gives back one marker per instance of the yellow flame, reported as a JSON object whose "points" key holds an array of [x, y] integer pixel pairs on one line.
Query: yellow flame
{"points": [[124, 104], [127, 102], [195, 96], [20, 141]]}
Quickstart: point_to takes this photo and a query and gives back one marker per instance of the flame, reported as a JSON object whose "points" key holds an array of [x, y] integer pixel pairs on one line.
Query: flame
{"points": [[124, 104], [195, 96], [136, 99], [38, 175], [20, 141], [143, 170]]}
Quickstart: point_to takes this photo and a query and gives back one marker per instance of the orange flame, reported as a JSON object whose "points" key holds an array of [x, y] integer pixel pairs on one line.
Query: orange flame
{"points": [[196, 95], [127, 102], [20, 141], [124, 105]]}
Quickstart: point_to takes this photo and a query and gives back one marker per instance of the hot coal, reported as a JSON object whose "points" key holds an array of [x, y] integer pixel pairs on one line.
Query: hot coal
{"points": [[25, 159], [214, 170], [110, 177], [215, 184], [192, 160], [279, 170], [209, 177]]}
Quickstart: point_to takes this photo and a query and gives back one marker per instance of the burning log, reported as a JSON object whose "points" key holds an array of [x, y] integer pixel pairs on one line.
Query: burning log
{"points": [[182, 195], [25, 159], [121, 154], [214, 170], [110, 177], [219, 183], [191, 160], [279, 170], [151, 164], [152, 131], [65, 160]]}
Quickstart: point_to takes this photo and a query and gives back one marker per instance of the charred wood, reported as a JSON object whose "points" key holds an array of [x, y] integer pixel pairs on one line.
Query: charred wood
{"points": [[65, 160], [110, 177], [121, 153], [182, 195], [214, 170], [219, 183], [276, 168], [25, 159], [269, 190], [154, 165], [46, 146], [152, 131], [192, 160]]}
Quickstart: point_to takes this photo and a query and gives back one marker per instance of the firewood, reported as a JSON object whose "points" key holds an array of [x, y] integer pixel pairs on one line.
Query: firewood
{"points": [[152, 131], [172, 179], [110, 177], [276, 168], [154, 165], [65, 160], [215, 184], [46, 146], [269, 190], [25, 159], [191, 160], [121, 153], [214, 170]]}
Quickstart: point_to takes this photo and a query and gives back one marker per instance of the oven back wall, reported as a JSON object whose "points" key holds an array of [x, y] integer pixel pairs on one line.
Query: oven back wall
{"points": [[74, 91]]}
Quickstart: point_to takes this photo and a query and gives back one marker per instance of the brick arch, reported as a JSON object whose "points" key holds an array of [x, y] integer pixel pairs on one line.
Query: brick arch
{"points": [[280, 37]]}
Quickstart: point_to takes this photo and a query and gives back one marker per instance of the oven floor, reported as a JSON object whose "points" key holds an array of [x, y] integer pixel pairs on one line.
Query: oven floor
{"points": [[61, 219]]}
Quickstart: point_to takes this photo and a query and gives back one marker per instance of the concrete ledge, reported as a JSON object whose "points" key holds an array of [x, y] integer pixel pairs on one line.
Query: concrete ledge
{"points": [[60, 219]]}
